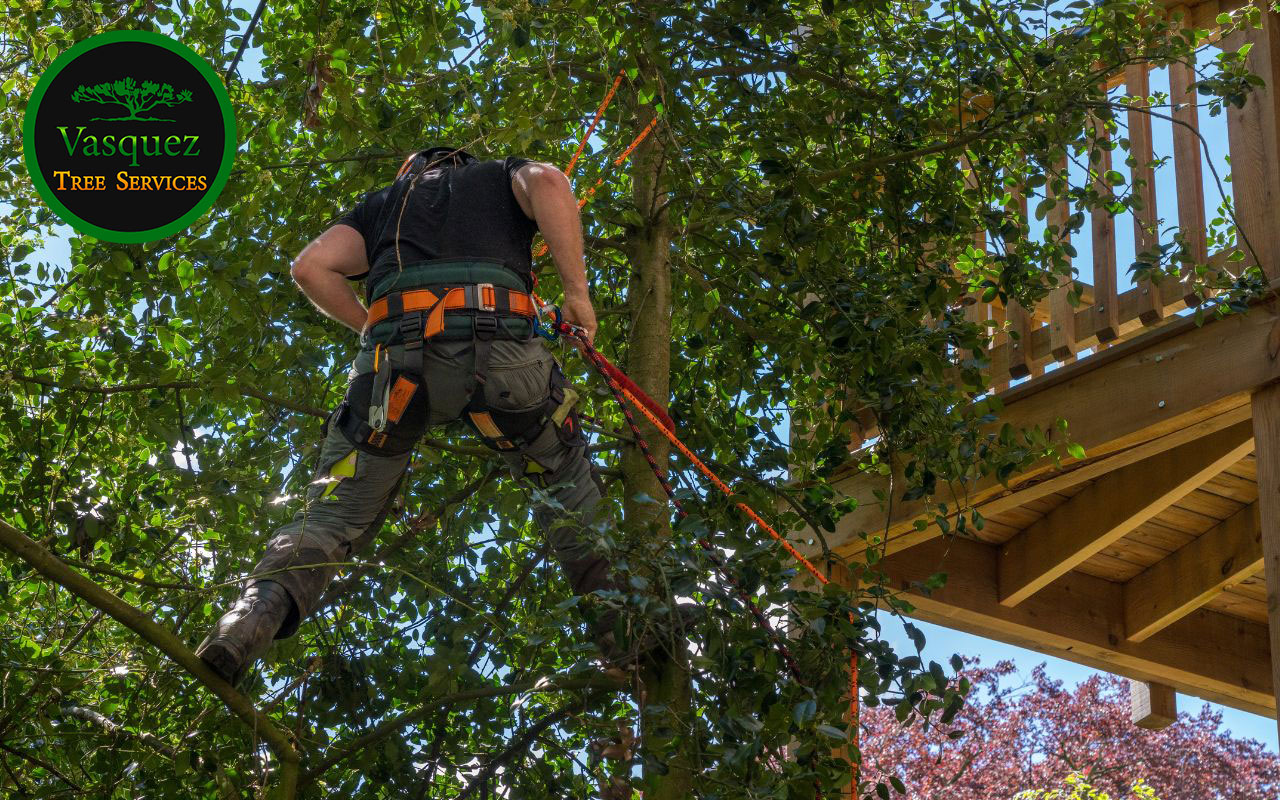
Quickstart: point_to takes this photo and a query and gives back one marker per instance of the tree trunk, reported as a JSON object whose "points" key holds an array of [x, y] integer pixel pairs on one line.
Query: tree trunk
{"points": [[666, 684]]}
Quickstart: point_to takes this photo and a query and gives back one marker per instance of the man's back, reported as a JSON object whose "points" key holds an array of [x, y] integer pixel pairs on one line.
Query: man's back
{"points": [[446, 211]]}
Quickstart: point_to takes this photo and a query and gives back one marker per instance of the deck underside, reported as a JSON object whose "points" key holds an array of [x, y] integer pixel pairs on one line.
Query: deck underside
{"points": [[1144, 559]]}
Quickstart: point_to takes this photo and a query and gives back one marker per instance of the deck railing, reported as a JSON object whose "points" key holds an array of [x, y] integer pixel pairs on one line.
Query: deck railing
{"points": [[1025, 342]]}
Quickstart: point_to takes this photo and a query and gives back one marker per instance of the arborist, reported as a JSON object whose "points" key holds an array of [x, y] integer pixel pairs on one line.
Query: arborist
{"points": [[447, 332]]}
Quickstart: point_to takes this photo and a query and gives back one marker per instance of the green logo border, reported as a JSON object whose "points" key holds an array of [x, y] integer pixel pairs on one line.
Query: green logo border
{"points": [[228, 153]]}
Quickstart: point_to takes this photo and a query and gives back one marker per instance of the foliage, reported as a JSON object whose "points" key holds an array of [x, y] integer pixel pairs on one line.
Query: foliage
{"points": [[1015, 733], [135, 97], [1079, 789], [790, 246]]}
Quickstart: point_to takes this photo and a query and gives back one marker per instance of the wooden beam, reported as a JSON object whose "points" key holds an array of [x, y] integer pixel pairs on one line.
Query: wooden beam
{"points": [[1185, 580], [1266, 421], [1079, 617], [1152, 705], [1111, 401], [1110, 508]]}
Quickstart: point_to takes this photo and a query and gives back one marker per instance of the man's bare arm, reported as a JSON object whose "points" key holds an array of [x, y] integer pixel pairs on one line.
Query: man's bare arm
{"points": [[321, 271], [546, 197]]}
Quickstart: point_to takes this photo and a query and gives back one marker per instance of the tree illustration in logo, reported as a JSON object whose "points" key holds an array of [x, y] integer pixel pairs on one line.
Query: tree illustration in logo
{"points": [[137, 98]]}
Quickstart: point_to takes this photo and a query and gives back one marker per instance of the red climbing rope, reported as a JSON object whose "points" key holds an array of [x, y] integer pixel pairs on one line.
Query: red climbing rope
{"points": [[610, 373], [628, 395]]}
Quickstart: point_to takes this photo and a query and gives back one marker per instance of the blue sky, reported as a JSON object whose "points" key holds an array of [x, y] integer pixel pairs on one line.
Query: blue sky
{"points": [[941, 642]]}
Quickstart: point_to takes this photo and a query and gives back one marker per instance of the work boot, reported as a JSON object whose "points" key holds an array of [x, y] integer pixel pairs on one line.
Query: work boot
{"points": [[245, 631], [644, 645]]}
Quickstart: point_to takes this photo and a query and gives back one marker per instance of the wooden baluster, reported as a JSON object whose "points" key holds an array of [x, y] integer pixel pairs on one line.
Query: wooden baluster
{"points": [[1255, 148], [1019, 337], [1187, 169], [1062, 315], [979, 312], [1146, 238], [999, 354], [1106, 305]]}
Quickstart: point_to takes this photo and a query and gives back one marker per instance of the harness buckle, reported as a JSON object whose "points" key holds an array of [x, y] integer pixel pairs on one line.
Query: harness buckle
{"points": [[485, 327], [486, 297], [411, 331]]}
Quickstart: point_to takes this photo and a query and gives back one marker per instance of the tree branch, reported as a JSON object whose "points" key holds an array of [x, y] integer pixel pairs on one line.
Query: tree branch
{"points": [[163, 640], [42, 764], [247, 389], [519, 745], [430, 702]]}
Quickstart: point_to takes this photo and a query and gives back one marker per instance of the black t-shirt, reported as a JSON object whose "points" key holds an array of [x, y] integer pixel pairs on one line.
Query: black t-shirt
{"points": [[466, 211]]}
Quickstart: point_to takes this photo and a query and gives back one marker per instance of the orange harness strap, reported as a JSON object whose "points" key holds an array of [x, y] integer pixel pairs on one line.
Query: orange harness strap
{"points": [[488, 298]]}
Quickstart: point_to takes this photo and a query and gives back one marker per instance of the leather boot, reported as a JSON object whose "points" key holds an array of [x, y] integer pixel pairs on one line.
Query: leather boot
{"points": [[245, 631]]}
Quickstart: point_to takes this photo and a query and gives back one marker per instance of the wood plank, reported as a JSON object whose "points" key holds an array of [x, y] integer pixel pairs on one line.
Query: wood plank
{"points": [[1106, 295], [1079, 618], [1210, 504], [1247, 469], [1146, 237], [1020, 365], [1110, 508], [1187, 579], [1237, 605], [1254, 134], [1185, 520], [1233, 487], [1177, 381], [1158, 536], [1266, 422], [1187, 168], [1152, 705], [1108, 567]]}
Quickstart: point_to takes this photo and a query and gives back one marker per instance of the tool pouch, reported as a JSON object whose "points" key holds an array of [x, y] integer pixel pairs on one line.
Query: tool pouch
{"points": [[385, 410]]}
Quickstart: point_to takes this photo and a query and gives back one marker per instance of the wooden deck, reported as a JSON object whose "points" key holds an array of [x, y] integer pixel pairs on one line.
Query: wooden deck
{"points": [[1146, 558]]}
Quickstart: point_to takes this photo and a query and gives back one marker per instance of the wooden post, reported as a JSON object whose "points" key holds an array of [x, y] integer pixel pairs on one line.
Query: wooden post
{"points": [[1145, 236], [1187, 168], [1266, 432], [1105, 289], [1152, 705], [1020, 363], [1062, 315], [1254, 134]]}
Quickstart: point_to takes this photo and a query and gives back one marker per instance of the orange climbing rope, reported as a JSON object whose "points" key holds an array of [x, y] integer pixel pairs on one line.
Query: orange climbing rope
{"points": [[617, 162], [608, 98], [724, 487], [715, 479], [624, 388]]}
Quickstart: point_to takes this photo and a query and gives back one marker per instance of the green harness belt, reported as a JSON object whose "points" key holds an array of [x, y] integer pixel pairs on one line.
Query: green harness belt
{"points": [[385, 411]]}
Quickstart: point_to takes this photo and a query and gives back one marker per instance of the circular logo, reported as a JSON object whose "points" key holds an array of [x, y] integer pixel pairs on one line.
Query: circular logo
{"points": [[129, 136]]}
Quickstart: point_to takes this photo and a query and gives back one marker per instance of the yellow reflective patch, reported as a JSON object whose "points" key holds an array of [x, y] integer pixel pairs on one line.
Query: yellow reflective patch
{"points": [[346, 468], [562, 410]]}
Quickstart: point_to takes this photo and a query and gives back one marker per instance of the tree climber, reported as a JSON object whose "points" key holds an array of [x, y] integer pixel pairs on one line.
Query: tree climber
{"points": [[445, 251]]}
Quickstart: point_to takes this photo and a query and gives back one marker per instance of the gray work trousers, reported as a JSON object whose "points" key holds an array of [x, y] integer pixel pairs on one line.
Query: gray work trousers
{"points": [[346, 505]]}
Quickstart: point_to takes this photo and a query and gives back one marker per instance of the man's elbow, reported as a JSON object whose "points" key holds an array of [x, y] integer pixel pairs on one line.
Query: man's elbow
{"points": [[303, 271]]}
